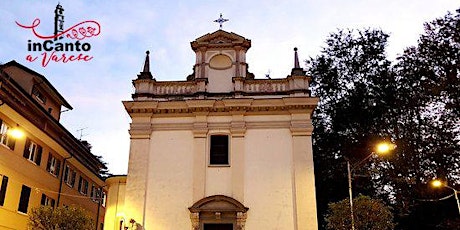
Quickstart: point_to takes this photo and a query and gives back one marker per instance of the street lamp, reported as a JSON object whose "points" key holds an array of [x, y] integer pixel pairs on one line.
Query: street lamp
{"points": [[381, 148], [439, 183], [16, 133]]}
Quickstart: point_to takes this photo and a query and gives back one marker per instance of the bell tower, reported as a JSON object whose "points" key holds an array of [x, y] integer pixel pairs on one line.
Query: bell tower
{"points": [[220, 56], [58, 21]]}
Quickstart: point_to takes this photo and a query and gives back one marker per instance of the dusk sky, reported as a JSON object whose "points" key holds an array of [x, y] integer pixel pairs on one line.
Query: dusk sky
{"points": [[95, 88]]}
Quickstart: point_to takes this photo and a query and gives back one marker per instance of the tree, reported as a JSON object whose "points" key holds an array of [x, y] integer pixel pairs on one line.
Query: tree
{"points": [[449, 224], [354, 82], [369, 214], [60, 218], [414, 103], [427, 121]]}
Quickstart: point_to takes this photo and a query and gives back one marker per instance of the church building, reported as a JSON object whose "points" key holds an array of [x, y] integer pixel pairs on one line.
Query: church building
{"points": [[218, 150]]}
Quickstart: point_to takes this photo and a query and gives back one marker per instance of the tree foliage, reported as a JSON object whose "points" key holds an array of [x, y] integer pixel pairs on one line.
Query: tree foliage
{"points": [[353, 80], [60, 218], [414, 103], [427, 122], [369, 214]]}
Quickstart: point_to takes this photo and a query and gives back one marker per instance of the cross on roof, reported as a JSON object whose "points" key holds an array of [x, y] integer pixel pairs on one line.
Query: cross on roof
{"points": [[221, 21]]}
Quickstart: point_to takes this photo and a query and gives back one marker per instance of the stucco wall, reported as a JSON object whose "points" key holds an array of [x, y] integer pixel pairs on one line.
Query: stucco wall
{"points": [[270, 170], [220, 80], [268, 180], [115, 202], [169, 186]]}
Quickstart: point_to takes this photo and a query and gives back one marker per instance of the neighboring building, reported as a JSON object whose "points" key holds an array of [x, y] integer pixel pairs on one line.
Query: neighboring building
{"points": [[48, 166], [221, 150], [114, 215]]}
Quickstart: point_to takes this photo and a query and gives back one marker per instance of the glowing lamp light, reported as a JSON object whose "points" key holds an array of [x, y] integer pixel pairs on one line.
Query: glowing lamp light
{"points": [[436, 183], [16, 133], [384, 147]]}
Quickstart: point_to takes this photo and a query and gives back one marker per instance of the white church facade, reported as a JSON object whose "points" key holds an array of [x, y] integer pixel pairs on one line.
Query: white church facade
{"points": [[219, 150]]}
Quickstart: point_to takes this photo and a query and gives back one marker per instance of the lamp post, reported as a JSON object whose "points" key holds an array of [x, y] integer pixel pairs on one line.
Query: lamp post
{"points": [[381, 148], [350, 193], [439, 183]]}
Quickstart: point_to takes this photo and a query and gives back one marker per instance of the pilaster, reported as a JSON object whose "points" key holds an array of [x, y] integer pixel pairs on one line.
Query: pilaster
{"points": [[195, 219], [200, 131], [138, 168], [304, 196], [241, 220], [238, 130]]}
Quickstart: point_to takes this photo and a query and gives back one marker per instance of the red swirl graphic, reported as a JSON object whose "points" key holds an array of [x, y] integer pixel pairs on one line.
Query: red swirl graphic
{"points": [[80, 33]]}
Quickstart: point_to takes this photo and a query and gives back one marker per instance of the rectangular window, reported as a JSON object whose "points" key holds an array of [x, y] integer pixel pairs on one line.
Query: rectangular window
{"points": [[33, 152], [5, 138], [3, 190], [47, 201], [94, 191], [24, 199], [219, 150], [38, 95], [54, 165], [83, 186], [69, 176]]}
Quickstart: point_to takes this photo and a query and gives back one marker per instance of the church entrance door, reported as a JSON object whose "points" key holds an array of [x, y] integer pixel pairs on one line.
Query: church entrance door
{"points": [[218, 226], [218, 212]]}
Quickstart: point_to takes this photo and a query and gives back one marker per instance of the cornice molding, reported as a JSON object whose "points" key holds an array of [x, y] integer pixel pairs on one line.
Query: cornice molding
{"points": [[233, 106], [140, 130]]}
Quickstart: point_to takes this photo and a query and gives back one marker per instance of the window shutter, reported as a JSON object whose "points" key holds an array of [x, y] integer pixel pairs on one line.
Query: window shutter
{"points": [[43, 201], [85, 186], [48, 165], [38, 159], [66, 174], [98, 194], [3, 190], [24, 199], [74, 176], [52, 203], [11, 143], [80, 184], [27, 149], [58, 167]]}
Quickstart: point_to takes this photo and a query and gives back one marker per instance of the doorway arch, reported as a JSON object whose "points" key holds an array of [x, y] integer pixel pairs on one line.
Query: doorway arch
{"points": [[218, 209]]}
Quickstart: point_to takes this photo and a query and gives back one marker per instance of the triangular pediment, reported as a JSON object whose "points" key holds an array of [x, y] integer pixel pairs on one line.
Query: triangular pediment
{"points": [[220, 39]]}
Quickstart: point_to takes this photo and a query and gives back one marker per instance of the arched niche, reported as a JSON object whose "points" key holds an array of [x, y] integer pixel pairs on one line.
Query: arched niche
{"points": [[218, 209], [220, 61]]}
